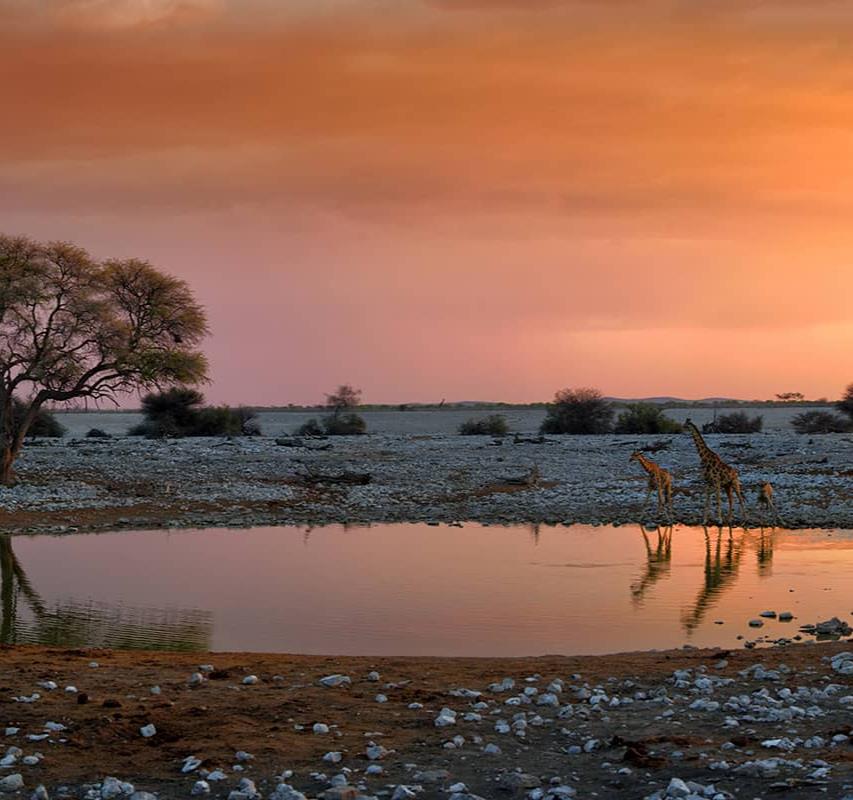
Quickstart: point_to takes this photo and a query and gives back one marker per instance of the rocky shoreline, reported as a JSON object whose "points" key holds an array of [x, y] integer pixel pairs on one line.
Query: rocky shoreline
{"points": [[102, 725], [91, 484]]}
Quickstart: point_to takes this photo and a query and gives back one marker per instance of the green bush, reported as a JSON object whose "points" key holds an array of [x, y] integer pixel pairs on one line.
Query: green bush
{"points": [[333, 425], [179, 412], [578, 411], [845, 404], [645, 418], [249, 423], [820, 422], [736, 422], [45, 424], [493, 425], [344, 425], [310, 428]]}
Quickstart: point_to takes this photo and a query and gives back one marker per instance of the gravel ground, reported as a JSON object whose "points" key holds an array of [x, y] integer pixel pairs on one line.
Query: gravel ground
{"points": [[680, 724], [130, 482]]}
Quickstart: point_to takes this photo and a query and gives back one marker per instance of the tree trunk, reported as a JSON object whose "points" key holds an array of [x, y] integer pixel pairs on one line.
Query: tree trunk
{"points": [[13, 439], [7, 441], [7, 466]]}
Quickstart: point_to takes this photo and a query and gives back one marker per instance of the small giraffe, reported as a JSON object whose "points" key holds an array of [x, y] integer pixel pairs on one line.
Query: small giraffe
{"points": [[659, 479], [765, 500], [718, 476]]}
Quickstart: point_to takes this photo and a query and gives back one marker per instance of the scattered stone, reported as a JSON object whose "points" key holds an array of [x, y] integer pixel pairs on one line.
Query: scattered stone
{"points": [[331, 681]]}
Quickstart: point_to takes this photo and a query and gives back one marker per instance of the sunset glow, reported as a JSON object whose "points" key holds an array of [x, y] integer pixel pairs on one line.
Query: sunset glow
{"points": [[461, 199]]}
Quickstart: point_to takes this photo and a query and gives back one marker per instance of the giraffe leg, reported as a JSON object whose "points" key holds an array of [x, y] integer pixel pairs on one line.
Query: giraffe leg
{"points": [[707, 504], [743, 510], [719, 505], [731, 504], [660, 499], [646, 501], [775, 514]]}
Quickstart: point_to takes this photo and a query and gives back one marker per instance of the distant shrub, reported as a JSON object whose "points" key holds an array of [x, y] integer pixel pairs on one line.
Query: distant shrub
{"points": [[493, 425], [845, 404], [215, 421], [344, 425], [578, 411], [97, 433], [45, 423], [819, 422], [249, 423], [736, 422], [645, 418], [310, 428], [179, 412], [333, 425]]}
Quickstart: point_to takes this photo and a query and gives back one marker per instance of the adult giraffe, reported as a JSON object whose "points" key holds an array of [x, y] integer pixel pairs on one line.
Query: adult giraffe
{"points": [[717, 476]]}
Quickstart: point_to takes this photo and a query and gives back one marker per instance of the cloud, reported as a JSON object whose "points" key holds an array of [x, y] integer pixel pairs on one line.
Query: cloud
{"points": [[108, 15]]}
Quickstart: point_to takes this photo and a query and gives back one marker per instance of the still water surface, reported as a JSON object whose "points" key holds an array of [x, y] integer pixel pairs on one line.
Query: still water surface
{"points": [[420, 590]]}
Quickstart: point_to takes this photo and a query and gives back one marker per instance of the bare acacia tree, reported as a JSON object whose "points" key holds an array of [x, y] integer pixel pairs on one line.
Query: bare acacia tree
{"points": [[71, 327], [344, 398]]}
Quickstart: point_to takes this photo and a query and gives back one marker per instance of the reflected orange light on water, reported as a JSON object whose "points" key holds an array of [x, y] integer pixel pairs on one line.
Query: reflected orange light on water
{"points": [[420, 590]]}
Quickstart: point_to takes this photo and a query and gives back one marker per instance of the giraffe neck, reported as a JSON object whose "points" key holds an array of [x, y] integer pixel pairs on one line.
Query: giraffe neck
{"points": [[705, 452], [648, 466]]}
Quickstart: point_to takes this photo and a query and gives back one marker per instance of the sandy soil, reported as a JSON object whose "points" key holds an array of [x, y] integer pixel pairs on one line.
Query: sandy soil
{"points": [[640, 747]]}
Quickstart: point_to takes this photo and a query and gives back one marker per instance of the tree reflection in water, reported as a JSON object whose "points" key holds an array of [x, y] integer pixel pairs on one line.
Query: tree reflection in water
{"points": [[27, 618]]}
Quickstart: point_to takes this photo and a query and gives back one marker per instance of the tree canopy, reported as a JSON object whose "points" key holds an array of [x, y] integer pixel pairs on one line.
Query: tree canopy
{"points": [[72, 327]]}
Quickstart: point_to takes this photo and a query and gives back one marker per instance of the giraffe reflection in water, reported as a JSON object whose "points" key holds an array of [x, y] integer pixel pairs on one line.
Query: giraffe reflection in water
{"points": [[658, 563], [26, 617], [724, 553]]}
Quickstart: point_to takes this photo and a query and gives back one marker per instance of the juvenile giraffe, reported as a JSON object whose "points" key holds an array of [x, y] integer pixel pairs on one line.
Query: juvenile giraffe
{"points": [[659, 479], [765, 500], [717, 475]]}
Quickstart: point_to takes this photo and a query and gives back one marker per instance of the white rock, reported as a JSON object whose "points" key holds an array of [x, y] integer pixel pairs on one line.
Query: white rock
{"points": [[12, 783], [331, 681], [200, 787], [110, 788], [250, 680], [286, 792], [320, 728], [446, 717], [376, 751], [148, 731], [677, 788]]}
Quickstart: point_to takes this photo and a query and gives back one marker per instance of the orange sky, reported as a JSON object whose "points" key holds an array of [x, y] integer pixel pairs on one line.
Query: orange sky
{"points": [[457, 198]]}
